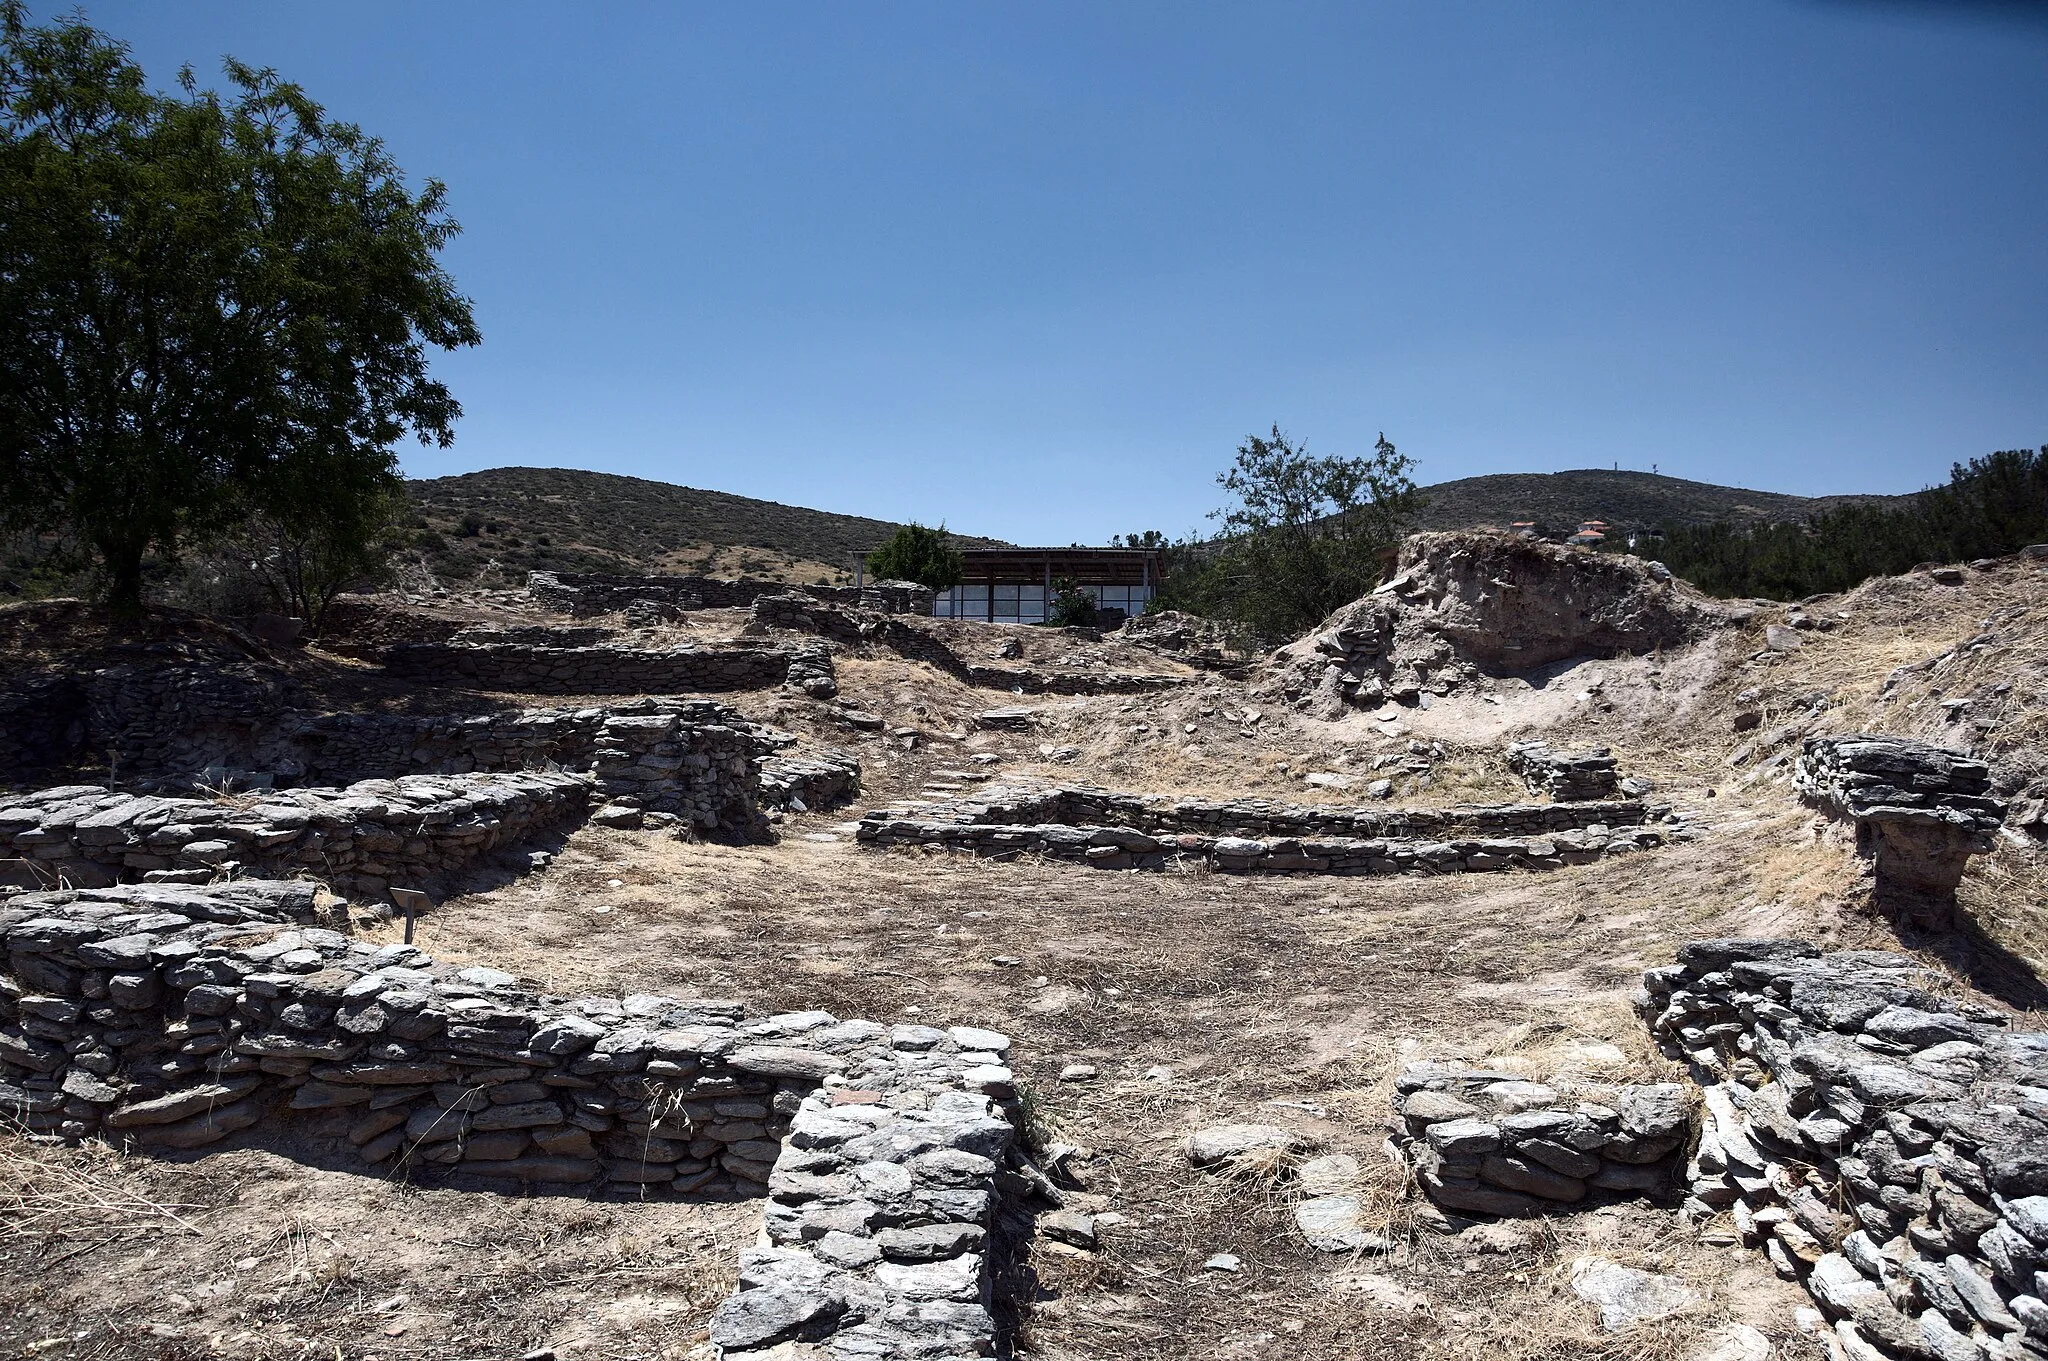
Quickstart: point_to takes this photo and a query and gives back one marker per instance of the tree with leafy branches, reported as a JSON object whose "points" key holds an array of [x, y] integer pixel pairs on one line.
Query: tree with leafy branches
{"points": [[1308, 533], [212, 307], [920, 554]]}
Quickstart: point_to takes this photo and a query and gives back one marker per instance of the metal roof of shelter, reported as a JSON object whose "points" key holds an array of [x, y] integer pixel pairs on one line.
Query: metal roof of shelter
{"points": [[1086, 566]]}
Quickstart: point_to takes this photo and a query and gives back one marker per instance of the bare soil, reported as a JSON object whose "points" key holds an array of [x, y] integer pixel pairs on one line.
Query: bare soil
{"points": [[1199, 997]]}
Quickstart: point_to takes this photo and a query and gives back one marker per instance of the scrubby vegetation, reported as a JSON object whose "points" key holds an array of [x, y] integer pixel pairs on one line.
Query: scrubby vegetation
{"points": [[1990, 506]]}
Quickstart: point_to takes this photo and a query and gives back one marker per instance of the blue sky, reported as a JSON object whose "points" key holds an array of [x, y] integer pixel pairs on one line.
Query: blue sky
{"points": [[1035, 269]]}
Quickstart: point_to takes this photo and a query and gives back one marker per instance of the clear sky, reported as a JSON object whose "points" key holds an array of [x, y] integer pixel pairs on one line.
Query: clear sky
{"points": [[1034, 269]]}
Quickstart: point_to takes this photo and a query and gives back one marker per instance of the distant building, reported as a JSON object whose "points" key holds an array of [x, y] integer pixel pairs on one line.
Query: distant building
{"points": [[1591, 533], [1014, 585], [1523, 529]]}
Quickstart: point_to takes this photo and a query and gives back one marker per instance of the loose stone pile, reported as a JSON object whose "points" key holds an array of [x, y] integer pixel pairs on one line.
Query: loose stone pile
{"points": [[360, 840], [585, 594], [1880, 1140], [819, 778], [1566, 776], [1495, 1143], [170, 1018], [1128, 831], [604, 668], [1920, 813]]}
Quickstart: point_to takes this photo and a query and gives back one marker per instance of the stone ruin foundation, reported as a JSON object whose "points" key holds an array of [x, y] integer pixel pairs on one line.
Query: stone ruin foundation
{"points": [[587, 594], [1882, 1142], [165, 1017], [1495, 1143], [1919, 813], [1111, 830]]}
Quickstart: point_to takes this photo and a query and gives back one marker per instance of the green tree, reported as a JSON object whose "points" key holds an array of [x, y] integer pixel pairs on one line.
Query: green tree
{"points": [[1308, 534], [915, 553], [211, 307], [303, 561], [1070, 606]]}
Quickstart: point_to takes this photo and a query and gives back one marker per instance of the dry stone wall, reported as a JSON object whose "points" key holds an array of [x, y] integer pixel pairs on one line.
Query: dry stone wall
{"points": [[1919, 811], [1032, 803], [1565, 776], [607, 668], [801, 613], [1881, 1141], [1120, 848], [819, 777], [361, 840], [168, 1018], [587, 594], [1494, 1143]]}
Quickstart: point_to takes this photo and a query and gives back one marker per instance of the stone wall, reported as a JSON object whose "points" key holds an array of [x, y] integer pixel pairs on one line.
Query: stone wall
{"points": [[817, 778], [1494, 1143], [361, 840], [173, 729], [1565, 776], [802, 613], [1086, 804], [1880, 1140], [586, 594], [601, 669], [168, 1019], [1920, 812], [1128, 848]]}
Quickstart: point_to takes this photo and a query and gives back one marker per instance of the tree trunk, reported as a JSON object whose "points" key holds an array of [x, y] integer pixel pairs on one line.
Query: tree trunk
{"points": [[124, 579]]}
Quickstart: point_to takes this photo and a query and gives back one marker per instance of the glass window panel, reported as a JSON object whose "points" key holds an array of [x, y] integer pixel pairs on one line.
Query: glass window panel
{"points": [[974, 594]]}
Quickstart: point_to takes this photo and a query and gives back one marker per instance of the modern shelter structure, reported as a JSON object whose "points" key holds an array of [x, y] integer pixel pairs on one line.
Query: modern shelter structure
{"points": [[1015, 585]]}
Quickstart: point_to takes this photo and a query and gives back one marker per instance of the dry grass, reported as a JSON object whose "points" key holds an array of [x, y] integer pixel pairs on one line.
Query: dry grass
{"points": [[2006, 894]]}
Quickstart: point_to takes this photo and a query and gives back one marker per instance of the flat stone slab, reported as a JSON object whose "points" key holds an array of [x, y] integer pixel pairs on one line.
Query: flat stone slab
{"points": [[1627, 1297]]}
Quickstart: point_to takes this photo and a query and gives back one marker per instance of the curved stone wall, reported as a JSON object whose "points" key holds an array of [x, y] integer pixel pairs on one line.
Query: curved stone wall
{"points": [[170, 1018], [1086, 804]]}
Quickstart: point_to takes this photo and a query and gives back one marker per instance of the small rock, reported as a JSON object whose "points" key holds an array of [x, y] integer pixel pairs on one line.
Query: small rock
{"points": [[1626, 1296], [1779, 638], [1227, 1143], [1736, 1342], [1332, 1174], [1069, 1226], [1223, 1261], [1330, 1224], [1079, 1072]]}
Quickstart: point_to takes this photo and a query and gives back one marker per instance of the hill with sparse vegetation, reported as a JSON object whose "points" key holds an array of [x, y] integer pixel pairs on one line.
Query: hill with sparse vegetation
{"points": [[493, 527], [1626, 500]]}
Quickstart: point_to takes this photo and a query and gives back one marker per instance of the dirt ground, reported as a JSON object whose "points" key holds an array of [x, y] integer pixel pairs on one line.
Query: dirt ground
{"points": [[1199, 998]]}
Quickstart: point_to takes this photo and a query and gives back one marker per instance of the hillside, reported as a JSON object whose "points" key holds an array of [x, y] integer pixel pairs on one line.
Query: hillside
{"points": [[1626, 500], [567, 519]]}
